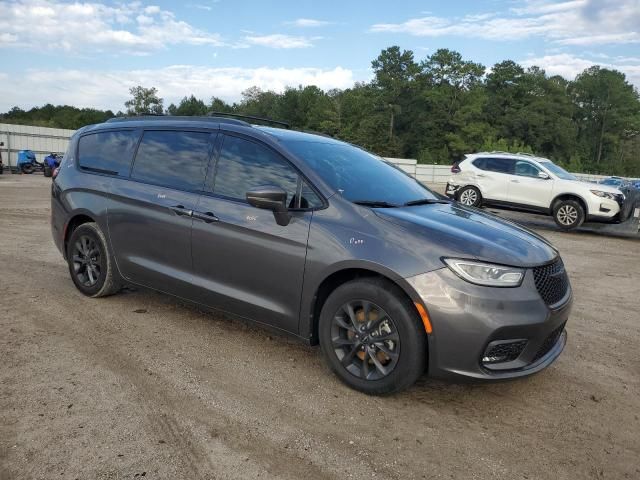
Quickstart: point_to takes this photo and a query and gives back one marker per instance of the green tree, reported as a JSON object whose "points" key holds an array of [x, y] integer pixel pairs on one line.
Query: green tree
{"points": [[607, 112], [144, 101], [188, 106]]}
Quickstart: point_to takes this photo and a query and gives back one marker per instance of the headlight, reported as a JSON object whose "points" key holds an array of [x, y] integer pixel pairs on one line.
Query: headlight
{"points": [[601, 194], [486, 274]]}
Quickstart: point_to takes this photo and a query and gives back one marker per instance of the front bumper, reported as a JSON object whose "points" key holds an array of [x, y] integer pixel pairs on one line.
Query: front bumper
{"points": [[467, 319]]}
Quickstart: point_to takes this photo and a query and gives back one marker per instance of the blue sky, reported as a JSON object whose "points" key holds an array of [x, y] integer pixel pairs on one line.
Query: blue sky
{"points": [[90, 53]]}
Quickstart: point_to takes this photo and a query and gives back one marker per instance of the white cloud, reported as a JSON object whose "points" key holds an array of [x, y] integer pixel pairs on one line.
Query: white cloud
{"points": [[278, 40], [308, 22], [568, 66], [54, 25], [575, 22], [109, 90]]}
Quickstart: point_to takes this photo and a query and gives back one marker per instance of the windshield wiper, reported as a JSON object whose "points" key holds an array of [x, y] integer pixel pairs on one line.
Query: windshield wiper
{"points": [[374, 203], [426, 201]]}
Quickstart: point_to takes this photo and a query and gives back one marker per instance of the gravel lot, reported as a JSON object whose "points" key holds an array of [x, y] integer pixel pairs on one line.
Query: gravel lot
{"points": [[141, 385]]}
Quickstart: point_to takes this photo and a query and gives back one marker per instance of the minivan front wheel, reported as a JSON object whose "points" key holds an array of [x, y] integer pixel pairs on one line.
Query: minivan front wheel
{"points": [[90, 263], [371, 337]]}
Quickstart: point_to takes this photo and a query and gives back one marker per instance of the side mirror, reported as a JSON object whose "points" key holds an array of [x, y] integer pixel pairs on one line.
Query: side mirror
{"points": [[543, 175], [271, 198]]}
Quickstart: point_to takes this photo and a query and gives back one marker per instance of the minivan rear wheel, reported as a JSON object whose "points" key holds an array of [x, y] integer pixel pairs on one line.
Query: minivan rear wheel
{"points": [[470, 196], [90, 262], [371, 336]]}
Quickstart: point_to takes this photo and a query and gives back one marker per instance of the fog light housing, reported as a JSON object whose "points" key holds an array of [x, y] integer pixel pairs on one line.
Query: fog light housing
{"points": [[502, 351]]}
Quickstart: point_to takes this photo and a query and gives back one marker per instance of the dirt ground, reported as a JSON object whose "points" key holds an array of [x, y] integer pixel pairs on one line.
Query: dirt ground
{"points": [[141, 385]]}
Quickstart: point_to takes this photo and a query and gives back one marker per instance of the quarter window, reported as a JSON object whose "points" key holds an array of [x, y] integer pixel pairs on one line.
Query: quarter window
{"points": [[172, 159], [244, 165], [107, 152]]}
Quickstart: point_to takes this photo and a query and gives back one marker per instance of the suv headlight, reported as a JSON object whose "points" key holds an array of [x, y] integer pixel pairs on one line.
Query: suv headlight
{"points": [[601, 194], [486, 274]]}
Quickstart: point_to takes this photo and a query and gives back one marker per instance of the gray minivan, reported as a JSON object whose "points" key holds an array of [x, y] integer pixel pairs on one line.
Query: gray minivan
{"points": [[314, 237]]}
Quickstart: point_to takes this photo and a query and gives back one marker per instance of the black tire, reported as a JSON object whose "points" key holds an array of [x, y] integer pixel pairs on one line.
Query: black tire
{"points": [[568, 214], [91, 264], [27, 168], [347, 345], [48, 172], [470, 196]]}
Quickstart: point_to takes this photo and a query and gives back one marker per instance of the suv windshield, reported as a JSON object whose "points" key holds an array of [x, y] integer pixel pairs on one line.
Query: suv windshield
{"points": [[360, 176], [558, 171]]}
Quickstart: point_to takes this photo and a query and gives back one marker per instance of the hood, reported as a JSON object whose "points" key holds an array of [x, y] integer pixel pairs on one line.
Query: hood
{"points": [[469, 233], [595, 186]]}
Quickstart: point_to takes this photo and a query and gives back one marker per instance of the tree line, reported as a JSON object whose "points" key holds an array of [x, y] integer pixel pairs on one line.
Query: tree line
{"points": [[434, 110]]}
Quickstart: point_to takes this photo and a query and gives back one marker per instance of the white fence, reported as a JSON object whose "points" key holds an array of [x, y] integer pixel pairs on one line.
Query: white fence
{"points": [[40, 140]]}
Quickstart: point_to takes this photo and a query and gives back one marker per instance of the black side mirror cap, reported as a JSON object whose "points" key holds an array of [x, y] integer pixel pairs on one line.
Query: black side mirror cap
{"points": [[271, 197]]}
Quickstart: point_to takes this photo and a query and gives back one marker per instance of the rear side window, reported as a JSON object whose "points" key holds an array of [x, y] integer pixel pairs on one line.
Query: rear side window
{"points": [[107, 152], [244, 165], [172, 159], [500, 165]]}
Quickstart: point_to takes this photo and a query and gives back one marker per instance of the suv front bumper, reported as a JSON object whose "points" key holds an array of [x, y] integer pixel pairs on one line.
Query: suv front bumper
{"points": [[469, 319]]}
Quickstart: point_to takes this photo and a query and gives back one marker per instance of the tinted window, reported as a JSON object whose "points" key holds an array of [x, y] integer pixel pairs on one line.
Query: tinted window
{"points": [[107, 152], [173, 159], [358, 175], [500, 165], [244, 165], [526, 169], [481, 163]]}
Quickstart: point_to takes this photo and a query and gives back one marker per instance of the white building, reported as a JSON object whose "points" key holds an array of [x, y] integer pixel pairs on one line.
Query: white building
{"points": [[40, 140]]}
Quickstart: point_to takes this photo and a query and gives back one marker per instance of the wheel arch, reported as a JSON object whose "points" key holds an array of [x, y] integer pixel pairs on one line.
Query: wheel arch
{"points": [[75, 220], [340, 276], [569, 196]]}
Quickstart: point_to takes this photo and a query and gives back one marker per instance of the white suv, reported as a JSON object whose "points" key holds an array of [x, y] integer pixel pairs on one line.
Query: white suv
{"points": [[525, 182]]}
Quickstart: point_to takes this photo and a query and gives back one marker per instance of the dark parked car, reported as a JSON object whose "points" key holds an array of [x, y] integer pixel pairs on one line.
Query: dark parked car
{"points": [[314, 237]]}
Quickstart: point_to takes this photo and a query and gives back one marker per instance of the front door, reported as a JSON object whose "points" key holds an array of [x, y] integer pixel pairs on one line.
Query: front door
{"points": [[244, 262], [527, 188], [150, 213]]}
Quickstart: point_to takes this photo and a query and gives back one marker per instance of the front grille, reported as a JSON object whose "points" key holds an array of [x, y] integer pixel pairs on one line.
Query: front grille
{"points": [[548, 343], [551, 281], [503, 352]]}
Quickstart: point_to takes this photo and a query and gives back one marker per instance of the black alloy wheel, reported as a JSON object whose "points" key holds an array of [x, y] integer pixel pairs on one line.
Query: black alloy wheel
{"points": [[87, 261], [365, 339]]}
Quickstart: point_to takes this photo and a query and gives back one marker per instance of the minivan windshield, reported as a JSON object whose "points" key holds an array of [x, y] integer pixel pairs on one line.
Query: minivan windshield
{"points": [[359, 176], [558, 171]]}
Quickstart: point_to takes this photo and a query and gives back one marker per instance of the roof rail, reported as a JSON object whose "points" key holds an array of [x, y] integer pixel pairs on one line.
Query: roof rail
{"points": [[251, 117], [154, 117], [525, 153]]}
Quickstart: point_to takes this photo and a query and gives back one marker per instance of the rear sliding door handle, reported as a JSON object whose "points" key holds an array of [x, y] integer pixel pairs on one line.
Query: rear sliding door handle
{"points": [[207, 217], [181, 211]]}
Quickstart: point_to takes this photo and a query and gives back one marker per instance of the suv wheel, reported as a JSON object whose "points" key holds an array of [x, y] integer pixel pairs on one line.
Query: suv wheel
{"points": [[371, 337], [47, 171], [568, 214], [470, 196], [90, 263]]}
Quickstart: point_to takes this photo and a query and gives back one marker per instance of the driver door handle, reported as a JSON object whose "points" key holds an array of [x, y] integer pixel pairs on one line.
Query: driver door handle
{"points": [[207, 217], [181, 211], [515, 181]]}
